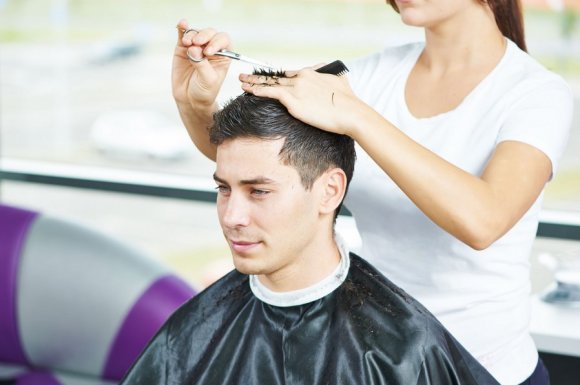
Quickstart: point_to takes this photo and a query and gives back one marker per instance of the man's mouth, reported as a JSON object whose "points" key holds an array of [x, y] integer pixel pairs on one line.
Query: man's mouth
{"points": [[240, 246]]}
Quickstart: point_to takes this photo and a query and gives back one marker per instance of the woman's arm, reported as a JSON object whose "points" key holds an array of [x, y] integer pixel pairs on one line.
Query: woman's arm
{"points": [[475, 209], [196, 85]]}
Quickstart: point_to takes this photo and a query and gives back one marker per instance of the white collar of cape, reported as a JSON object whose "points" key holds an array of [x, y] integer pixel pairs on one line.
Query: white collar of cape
{"points": [[308, 294]]}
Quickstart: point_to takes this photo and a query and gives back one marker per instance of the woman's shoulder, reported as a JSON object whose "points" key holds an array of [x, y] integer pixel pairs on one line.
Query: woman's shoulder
{"points": [[525, 73]]}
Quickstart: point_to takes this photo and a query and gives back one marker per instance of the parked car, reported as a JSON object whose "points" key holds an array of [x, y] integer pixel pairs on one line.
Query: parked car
{"points": [[140, 133]]}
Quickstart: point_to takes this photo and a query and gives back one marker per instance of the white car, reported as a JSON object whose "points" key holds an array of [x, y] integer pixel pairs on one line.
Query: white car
{"points": [[140, 133]]}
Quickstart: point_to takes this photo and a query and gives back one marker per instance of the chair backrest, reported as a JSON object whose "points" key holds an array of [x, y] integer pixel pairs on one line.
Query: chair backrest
{"points": [[77, 300]]}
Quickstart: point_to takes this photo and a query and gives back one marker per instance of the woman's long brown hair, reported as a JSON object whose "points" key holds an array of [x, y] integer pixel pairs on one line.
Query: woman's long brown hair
{"points": [[508, 16]]}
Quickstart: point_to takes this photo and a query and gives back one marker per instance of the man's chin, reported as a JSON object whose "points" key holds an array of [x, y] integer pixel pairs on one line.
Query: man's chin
{"points": [[246, 266]]}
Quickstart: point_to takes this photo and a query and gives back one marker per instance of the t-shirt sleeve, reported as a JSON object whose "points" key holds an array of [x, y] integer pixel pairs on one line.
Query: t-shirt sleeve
{"points": [[541, 117], [361, 70]]}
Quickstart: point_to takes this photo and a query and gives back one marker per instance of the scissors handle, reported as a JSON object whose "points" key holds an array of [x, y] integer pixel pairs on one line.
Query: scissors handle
{"points": [[227, 53]]}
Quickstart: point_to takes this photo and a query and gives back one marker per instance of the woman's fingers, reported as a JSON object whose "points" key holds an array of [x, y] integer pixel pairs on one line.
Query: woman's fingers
{"points": [[202, 36], [219, 41], [280, 93], [195, 54], [181, 28], [264, 80], [318, 99], [204, 42]]}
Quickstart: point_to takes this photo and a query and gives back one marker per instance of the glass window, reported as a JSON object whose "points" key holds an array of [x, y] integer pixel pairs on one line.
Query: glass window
{"points": [[88, 82]]}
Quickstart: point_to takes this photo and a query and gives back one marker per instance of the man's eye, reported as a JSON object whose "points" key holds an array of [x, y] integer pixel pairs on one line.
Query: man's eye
{"points": [[259, 192], [222, 189]]}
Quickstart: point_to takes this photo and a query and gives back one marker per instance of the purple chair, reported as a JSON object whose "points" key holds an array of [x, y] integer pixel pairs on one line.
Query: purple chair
{"points": [[76, 305]]}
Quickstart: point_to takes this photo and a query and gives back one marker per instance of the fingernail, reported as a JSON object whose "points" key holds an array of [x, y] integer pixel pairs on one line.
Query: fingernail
{"points": [[193, 58]]}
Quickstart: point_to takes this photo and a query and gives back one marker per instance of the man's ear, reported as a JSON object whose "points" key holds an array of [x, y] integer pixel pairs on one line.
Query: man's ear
{"points": [[333, 190]]}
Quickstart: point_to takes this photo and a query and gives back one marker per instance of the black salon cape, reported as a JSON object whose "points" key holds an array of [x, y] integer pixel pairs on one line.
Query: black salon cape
{"points": [[366, 332]]}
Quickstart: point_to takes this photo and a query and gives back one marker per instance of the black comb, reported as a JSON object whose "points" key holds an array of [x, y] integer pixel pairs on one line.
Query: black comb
{"points": [[337, 68]]}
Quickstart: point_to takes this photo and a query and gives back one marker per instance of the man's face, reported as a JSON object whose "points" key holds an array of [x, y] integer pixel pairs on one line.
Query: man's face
{"points": [[269, 219]]}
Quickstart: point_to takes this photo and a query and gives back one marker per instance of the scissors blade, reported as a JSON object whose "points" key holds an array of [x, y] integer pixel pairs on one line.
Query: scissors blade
{"points": [[244, 58]]}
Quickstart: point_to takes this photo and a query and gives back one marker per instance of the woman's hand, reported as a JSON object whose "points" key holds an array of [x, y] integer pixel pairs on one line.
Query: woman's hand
{"points": [[321, 100], [197, 83]]}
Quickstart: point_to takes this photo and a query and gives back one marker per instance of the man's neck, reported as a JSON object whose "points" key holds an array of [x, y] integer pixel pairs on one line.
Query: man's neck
{"points": [[306, 270], [307, 288]]}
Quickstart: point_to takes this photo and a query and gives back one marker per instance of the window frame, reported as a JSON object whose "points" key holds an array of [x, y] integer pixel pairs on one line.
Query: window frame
{"points": [[556, 224]]}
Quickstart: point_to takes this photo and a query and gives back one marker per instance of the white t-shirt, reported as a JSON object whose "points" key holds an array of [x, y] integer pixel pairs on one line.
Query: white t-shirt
{"points": [[482, 297]]}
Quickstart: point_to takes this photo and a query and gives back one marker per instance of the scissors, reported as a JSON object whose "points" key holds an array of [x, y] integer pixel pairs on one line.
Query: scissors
{"points": [[230, 54]]}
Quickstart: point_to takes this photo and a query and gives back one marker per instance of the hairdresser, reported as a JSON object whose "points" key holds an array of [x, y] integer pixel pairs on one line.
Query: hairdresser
{"points": [[456, 138]]}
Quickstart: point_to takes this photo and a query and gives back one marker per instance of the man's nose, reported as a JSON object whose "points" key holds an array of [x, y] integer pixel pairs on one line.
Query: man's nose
{"points": [[236, 212]]}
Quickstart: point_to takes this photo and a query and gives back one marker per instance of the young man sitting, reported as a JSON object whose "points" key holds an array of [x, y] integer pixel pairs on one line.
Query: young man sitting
{"points": [[298, 309]]}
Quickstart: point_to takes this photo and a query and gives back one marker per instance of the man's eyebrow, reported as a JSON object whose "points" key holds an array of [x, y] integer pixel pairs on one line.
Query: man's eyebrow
{"points": [[256, 180], [218, 179]]}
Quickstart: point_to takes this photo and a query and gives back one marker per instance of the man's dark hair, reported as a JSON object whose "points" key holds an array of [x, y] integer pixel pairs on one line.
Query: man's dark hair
{"points": [[309, 150]]}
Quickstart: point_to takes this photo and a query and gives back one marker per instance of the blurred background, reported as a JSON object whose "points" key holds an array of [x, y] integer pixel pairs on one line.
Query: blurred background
{"points": [[87, 84]]}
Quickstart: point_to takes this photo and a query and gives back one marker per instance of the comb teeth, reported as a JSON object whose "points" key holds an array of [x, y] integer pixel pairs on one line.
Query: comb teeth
{"points": [[337, 68]]}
